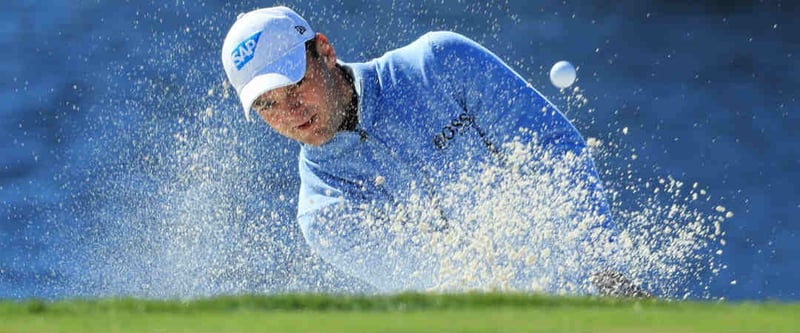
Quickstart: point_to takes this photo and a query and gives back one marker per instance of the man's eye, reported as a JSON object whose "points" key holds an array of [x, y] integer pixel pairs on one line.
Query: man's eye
{"points": [[293, 88], [263, 105]]}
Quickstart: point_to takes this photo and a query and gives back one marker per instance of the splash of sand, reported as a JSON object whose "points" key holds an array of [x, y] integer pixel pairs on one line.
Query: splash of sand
{"points": [[529, 225]]}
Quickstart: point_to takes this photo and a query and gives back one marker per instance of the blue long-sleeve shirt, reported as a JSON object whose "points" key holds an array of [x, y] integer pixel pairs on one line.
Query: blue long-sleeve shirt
{"points": [[428, 113]]}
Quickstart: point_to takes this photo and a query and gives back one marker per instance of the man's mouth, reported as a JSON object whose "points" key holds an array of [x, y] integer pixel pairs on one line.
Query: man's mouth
{"points": [[308, 123]]}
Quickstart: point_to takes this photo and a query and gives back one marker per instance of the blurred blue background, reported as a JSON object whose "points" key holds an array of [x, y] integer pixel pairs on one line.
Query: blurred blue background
{"points": [[126, 167]]}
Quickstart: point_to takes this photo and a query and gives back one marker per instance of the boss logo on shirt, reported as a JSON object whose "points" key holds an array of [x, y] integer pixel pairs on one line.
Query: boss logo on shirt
{"points": [[456, 127], [449, 131]]}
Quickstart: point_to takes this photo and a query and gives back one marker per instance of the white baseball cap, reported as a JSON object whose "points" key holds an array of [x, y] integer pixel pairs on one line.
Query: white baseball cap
{"points": [[265, 50]]}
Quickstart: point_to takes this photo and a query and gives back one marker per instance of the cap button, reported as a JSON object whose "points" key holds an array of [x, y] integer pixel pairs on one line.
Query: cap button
{"points": [[239, 17]]}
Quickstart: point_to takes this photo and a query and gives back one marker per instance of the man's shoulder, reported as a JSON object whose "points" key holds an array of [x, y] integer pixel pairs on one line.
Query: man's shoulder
{"points": [[438, 51], [445, 38], [434, 42]]}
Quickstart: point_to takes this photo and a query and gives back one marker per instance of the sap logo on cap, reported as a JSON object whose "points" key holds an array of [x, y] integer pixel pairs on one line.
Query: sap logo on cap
{"points": [[244, 52]]}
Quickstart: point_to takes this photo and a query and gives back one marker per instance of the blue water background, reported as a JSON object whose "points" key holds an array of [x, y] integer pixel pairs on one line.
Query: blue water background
{"points": [[109, 109]]}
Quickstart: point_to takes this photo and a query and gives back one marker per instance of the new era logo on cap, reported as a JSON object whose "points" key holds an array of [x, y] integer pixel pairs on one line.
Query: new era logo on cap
{"points": [[244, 52], [301, 29]]}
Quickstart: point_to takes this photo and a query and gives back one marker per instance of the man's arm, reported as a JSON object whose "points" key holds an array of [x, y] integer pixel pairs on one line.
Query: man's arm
{"points": [[505, 104], [359, 230], [509, 109]]}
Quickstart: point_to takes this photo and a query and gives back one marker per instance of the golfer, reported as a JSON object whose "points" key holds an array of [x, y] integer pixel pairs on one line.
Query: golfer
{"points": [[385, 143]]}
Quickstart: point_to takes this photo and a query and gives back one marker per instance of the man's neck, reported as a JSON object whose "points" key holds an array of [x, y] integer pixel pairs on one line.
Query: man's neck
{"points": [[350, 120]]}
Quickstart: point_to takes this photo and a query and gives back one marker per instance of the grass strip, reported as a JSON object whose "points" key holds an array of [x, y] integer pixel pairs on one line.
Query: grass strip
{"points": [[397, 313]]}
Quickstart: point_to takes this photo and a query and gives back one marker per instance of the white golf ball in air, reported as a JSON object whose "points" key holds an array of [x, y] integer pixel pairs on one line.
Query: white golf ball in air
{"points": [[562, 74]]}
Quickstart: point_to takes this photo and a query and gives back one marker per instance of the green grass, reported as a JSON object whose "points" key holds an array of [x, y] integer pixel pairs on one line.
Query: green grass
{"points": [[401, 313]]}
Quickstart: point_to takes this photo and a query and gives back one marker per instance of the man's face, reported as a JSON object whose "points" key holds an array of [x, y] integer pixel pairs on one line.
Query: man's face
{"points": [[309, 111]]}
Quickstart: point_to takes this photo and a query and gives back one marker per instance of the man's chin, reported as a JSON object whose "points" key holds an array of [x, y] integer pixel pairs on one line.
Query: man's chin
{"points": [[316, 139]]}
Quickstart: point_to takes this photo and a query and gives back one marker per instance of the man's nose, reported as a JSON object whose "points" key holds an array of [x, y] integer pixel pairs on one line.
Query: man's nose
{"points": [[292, 108], [294, 102]]}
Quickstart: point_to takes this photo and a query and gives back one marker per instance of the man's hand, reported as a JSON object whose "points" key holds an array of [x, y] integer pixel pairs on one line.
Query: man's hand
{"points": [[611, 283]]}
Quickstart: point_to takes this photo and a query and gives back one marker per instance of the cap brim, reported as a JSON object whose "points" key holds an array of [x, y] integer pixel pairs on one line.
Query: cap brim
{"points": [[288, 70]]}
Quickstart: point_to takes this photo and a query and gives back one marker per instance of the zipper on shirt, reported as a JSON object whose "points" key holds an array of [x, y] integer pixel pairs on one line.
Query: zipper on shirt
{"points": [[362, 133]]}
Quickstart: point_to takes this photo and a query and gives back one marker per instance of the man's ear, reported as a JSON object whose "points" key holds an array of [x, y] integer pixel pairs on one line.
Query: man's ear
{"points": [[325, 50]]}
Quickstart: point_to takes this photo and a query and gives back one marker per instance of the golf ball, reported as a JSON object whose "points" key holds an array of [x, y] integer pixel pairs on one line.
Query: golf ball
{"points": [[562, 74]]}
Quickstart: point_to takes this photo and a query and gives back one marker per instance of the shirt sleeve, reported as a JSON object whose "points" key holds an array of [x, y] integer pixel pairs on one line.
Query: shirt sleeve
{"points": [[505, 104], [348, 225], [507, 108]]}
